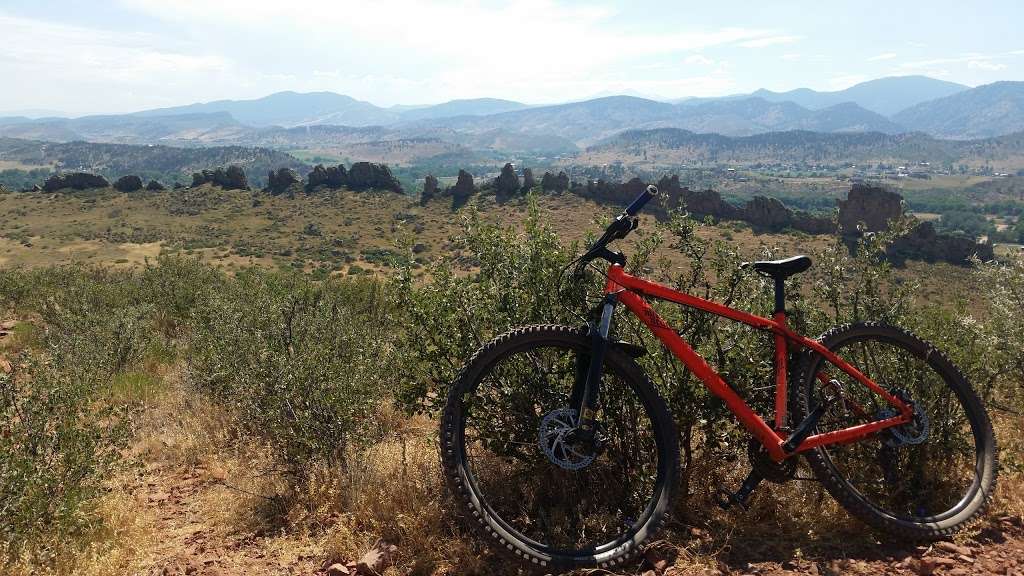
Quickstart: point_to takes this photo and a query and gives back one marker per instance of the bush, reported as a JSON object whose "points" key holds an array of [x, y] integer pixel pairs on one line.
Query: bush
{"points": [[520, 281], [301, 363], [56, 446]]}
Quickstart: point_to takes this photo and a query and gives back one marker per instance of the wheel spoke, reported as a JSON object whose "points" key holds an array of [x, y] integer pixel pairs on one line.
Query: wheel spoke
{"points": [[563, 509]]}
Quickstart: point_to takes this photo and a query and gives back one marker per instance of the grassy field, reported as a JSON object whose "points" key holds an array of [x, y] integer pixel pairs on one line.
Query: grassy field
{"points": [[207, 485], [338, 230]]}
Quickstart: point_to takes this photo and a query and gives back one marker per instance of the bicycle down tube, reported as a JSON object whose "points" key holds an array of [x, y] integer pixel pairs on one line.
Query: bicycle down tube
{"points": [[630, 291]]}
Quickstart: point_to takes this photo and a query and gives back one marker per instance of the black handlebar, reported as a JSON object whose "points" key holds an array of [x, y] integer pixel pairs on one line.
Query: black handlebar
{"points": [[619, 229], [641, 200]]}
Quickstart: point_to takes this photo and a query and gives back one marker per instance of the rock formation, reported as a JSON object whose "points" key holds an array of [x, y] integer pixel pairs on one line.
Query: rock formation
{"points": [[331, 177], [155, 186], [506, 184], [552, 183], [870, 206], [281, 180], [709, 203], [924, 243], [75, 181], [128, 184], [462, 190], [767, 213], [367, 175], [430, 190], [232, 178], [528, 180]]}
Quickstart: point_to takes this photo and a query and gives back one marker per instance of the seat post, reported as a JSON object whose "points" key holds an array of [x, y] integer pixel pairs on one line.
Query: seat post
{"points": [[780, 294]]}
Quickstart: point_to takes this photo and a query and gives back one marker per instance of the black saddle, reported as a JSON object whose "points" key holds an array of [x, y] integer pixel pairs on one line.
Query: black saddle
{"points": [[780, 269]]}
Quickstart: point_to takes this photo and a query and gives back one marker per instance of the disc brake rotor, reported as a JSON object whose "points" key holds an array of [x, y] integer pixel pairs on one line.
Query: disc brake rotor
{"points": [[556, 440], [912, 433]]}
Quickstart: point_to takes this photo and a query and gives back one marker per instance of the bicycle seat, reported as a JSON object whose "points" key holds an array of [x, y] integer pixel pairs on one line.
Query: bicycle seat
{"points": [[780, 269]]}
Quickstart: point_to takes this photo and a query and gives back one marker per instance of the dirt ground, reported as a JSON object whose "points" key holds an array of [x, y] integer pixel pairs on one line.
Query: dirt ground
{"points": [[178, 502]]}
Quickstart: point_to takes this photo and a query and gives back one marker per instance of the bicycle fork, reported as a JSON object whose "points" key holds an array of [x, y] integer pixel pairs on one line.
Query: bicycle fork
{"points": [[586, 392]]}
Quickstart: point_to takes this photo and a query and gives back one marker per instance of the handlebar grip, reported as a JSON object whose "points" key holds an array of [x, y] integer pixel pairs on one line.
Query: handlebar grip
{"points": [[641, 200]]}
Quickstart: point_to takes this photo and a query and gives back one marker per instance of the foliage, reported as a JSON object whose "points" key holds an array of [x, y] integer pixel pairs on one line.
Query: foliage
{"points": [[300, 363], [57, 445], [15, 179], [969, 223]]}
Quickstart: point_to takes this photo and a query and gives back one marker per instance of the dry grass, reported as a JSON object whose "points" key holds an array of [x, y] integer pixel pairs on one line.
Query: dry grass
{"points": [[392, 489]]}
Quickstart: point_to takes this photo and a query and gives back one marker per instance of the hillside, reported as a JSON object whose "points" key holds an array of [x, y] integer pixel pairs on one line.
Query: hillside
{"points": [[885, 96], [587, 122], [335, 125], [195, 128], [157, 162], [290, 109], [470, 107], [985, 111], [671, 145]]}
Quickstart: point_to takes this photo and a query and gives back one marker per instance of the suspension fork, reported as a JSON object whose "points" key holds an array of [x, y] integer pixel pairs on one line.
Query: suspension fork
{"points": [[586, 392]]}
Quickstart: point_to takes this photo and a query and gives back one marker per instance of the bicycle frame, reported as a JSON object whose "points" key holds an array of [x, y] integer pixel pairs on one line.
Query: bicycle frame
{"points": [[631, 291]]}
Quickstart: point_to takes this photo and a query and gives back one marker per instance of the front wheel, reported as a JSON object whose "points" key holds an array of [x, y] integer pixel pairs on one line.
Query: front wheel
{"points": [[925, 479], [511, 453]]}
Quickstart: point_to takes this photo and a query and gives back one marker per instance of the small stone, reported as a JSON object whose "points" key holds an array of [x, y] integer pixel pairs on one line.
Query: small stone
{"points": [[659, 560], [924, 567], [377, 558], [5, 366], [337, 569], [952, 548]]}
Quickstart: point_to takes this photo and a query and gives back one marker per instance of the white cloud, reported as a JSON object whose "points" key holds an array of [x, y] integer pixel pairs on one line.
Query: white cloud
{"points": [[99, 53], [769, 41], [64, 66], [986, 65], [973, 60], [531, 50], [882, 56], [792, 57]]}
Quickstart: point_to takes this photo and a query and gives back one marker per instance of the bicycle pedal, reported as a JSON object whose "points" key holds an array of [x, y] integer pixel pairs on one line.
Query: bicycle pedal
{"points": [[725, 499]]}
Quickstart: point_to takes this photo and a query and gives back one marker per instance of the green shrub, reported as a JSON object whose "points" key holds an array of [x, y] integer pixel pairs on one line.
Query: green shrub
{"points": [[301, 363], [57, 444], [520, 281]]}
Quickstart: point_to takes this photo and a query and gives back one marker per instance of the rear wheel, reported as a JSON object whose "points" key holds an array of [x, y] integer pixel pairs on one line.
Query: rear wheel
{"points": [[925, 479], [513, 457]]}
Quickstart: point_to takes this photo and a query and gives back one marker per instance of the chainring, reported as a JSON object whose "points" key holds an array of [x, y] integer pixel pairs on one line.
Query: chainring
{"points": [[556, 443], [770, 470]]}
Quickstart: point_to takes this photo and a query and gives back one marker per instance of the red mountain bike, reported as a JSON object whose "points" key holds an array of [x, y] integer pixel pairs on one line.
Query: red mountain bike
{"points": [[557, 444]]}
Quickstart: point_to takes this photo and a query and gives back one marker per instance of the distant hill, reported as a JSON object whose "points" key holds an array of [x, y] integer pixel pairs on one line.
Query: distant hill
{"points": [[289, 109], [292, 109], [160, 162], [128, 129], [291, 120], [985, 111], [585, 123], [885, 96], [474, 107], [671, 145]]}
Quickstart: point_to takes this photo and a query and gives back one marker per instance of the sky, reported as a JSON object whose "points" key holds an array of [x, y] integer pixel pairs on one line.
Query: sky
{"points": [[117, 56]]}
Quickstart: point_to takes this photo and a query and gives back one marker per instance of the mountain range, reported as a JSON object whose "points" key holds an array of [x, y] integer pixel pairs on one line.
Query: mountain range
{"points": [[889, 106]]}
